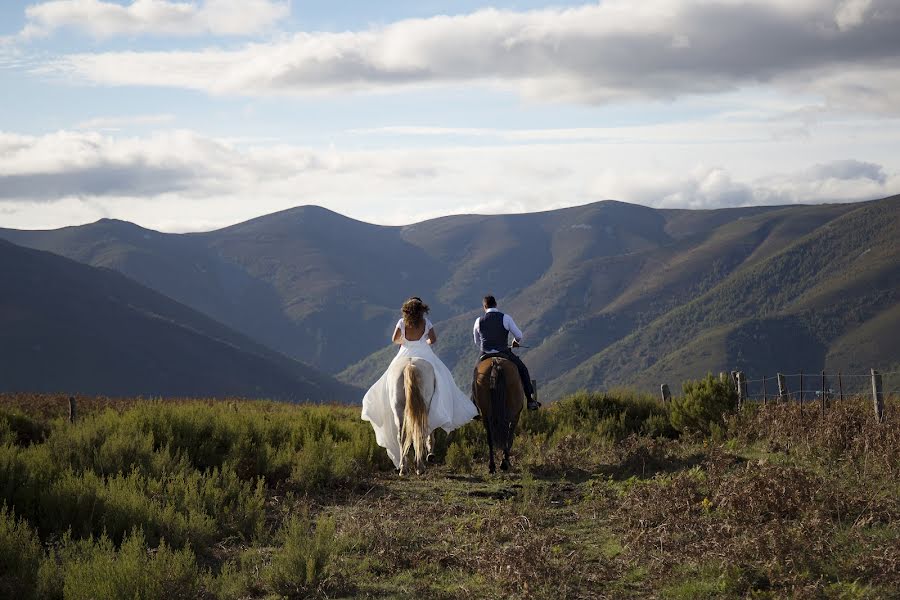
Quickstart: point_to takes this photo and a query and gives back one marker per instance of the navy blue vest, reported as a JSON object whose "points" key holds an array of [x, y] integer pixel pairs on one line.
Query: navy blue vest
{"points": [[494, 336]]}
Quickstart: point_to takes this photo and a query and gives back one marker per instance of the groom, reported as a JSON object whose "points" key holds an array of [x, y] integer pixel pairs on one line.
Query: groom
{"points": [[492, 337]]}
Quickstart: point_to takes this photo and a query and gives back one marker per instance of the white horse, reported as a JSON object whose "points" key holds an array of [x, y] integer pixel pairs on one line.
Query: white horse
{"points": [[414, 390]]}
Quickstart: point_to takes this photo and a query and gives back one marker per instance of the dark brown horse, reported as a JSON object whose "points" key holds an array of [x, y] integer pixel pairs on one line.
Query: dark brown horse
{"points": [[500, 399]]}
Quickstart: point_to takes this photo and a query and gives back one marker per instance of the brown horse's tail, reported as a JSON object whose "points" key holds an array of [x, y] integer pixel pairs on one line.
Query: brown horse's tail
{"points": [[500, 417], [415, 416]]}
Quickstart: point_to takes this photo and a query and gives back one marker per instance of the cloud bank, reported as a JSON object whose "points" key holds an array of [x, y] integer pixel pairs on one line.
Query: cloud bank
{"points": [[154, 17], [844, 50], [182, 180]]}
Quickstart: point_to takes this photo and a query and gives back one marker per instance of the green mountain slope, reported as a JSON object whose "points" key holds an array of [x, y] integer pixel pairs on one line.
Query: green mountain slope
{"points": [[778, 314], [598, 289], [67, 327]]}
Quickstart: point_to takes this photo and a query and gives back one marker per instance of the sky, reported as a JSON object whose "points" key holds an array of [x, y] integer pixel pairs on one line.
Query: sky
{"points": [[193, 115]]}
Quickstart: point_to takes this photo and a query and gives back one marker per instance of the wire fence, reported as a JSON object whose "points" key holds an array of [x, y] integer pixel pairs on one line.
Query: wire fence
{"points": [[804, 387], [821, 387]]}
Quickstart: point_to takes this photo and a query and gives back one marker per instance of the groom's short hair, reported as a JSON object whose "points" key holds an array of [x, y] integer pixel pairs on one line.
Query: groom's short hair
{"points": [[490, 302]]}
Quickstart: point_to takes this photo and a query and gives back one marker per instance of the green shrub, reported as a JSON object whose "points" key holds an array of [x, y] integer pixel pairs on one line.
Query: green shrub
{"points": [[239, 578], [18, 428], [20, 557], [314, 465], [94, 570], [658, 426], [459, 457], [612, 415], [703, 406], [300, 564]]}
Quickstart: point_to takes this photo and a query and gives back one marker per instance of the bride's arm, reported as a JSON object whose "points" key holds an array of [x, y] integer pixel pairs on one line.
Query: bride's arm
{"points": [[398, 333], [432, 336]]}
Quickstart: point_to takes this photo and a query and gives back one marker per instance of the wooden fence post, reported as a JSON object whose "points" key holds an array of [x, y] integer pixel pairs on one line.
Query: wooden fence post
{"points": [[746, 393], [782, 388], [801, 390], [765, 398], [740, 382], [878, 396], [72, 409], [534, 387], [665, 393], [841, 385], [823, 395]]}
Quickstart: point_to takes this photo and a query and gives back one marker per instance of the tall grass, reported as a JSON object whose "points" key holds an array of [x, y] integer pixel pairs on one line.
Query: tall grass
{"points": [[228, 500]]}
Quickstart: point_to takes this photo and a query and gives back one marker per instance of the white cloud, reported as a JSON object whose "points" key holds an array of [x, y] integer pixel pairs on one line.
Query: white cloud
{"points": [[182, 180], [610, 51], [715, 187], [156, 17], [851, 13]]}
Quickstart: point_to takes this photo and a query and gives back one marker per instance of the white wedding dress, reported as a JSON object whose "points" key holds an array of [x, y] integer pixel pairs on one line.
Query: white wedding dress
{"points": [[450, 408]]}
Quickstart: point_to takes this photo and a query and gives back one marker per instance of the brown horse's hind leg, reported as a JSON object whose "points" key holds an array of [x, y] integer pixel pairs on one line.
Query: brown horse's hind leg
{"points": [[504, 464], [492, 467]]}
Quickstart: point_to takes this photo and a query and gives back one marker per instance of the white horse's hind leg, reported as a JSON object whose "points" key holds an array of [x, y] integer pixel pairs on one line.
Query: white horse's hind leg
{"points": [[429, 447], [399, 406], [428, 388]]}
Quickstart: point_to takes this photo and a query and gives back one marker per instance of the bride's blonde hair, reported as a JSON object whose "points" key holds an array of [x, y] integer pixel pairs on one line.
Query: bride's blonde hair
{"points": [[414, 311]]}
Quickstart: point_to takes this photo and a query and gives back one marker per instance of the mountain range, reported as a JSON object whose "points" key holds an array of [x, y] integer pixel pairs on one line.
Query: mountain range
{"points": [[71, 328], [608, 293]]}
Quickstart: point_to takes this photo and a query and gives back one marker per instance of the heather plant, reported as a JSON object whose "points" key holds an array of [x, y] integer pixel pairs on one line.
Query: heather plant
{"points": [[96, 569], [20, 557], [459, 457], [239, 577], [300, 564], [610, 415], [606, 498], [703, 406], [20, 429]]}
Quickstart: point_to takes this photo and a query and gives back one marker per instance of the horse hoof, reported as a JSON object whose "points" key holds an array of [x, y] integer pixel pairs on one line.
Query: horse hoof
{"points": [[504, 466], [402, 472], [420, 472], [431, 458]]}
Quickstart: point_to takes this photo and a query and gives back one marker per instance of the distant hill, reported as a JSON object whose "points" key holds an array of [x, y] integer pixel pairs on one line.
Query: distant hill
{"points": [[68, 327], [608, 293], [827, 301]]}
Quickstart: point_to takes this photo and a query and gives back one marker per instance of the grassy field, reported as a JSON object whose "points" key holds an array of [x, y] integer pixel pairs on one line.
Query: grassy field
{"points": [[611, 496]]}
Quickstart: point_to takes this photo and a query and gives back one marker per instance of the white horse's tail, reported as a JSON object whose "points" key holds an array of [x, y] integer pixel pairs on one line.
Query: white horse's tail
{"points": [[415, 416]]}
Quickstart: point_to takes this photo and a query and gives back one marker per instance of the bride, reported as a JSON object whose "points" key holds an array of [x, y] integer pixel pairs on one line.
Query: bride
{"points": [[449, 407]]}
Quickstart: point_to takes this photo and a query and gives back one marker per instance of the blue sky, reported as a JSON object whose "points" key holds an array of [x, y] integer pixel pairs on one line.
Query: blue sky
{"points": [[185, 115]]}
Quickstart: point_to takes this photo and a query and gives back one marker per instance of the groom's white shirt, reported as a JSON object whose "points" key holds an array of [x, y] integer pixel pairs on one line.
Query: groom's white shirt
{"points": [[508, 324]]}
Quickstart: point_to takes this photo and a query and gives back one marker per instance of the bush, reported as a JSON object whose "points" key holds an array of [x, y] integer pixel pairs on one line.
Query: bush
{"points": [[611, 415], [704, 405], [18, 428], [459, 457], [300, 565], [20, 557], [239, 578], [94, 570]]}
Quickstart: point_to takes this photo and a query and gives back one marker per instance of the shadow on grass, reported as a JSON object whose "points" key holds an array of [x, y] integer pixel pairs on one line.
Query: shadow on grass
{"points": [[567, 473], [464, 478], [642, 464], [645, 465]]}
